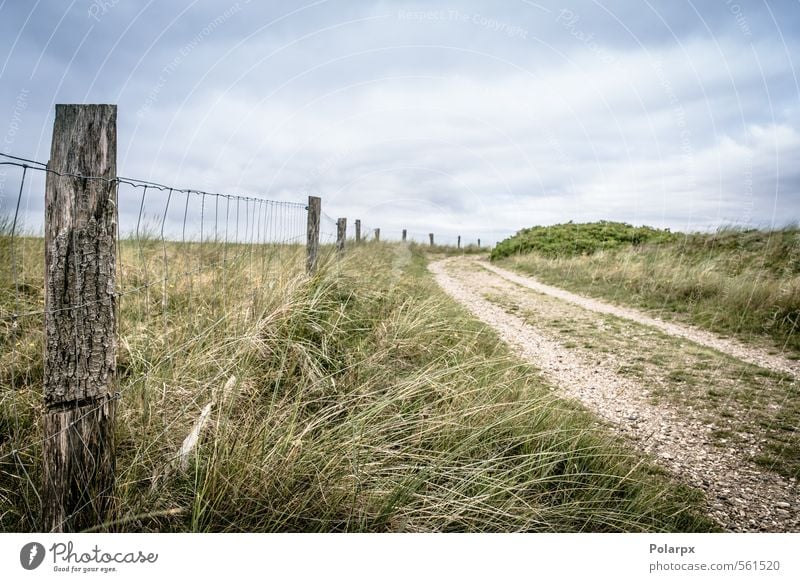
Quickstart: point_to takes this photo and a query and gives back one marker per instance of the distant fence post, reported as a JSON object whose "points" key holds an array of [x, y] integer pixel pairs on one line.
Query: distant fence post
{"points": [[431, 237], [312, 243], [458, 246], [341, 234], [404, 235], [479, 243], [358, 230], [378, 234], [80, 319]]}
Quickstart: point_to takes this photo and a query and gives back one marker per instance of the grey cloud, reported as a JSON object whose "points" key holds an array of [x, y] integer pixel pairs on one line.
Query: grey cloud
{"points": [[457, 116]]}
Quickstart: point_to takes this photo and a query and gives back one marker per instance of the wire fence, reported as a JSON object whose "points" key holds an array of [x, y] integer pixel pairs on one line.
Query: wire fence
{"points": [[187, 275], [189, 264], [327, 231]]}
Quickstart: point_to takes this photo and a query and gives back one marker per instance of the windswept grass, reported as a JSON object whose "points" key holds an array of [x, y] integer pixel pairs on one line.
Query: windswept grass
{"points": [[735, 281], [364, 400]]}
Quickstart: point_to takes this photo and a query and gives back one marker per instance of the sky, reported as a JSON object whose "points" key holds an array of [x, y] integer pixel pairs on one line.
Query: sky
{"points": [[475, 118]]}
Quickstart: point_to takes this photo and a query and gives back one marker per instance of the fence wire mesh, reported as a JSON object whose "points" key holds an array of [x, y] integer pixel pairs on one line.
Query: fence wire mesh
{"points": [[194, 269]]}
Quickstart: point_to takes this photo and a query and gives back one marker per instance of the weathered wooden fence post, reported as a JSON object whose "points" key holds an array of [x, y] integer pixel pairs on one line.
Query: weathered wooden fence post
{"points": [[479, 243], [378, 234], [341, 235], [458, 246], [312, 243], [431, 237], [404, 235], [358, 230], [80, 318]]}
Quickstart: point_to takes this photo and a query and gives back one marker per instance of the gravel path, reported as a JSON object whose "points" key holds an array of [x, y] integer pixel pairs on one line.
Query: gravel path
{"points": [[740, 496], [733, 348]]}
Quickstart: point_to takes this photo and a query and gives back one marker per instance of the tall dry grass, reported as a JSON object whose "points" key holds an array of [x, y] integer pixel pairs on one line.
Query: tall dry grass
{"points": [[363, 400]]}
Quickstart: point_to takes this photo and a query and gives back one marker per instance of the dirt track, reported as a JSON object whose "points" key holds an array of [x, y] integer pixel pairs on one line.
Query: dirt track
{"points": [[741, 495]]}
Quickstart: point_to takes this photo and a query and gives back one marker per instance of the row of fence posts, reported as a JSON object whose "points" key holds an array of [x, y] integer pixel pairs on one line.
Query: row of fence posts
{"points": [[312, 244], [80, 364]]}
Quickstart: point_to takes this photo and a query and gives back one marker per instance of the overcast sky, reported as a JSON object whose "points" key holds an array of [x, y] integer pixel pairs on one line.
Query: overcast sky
{"points": [[477, 118]]}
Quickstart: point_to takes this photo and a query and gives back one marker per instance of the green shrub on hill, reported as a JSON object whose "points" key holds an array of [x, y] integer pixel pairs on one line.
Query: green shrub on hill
{"points": [[573, 239]]}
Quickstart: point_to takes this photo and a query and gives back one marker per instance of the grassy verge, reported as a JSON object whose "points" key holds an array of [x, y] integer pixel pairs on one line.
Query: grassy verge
{"points": [[364, 400], [735, 282]]}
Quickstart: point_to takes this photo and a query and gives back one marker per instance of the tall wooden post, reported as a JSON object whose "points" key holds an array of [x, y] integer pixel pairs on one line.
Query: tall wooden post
{"points": [[458, 246], [404, 235], [378, 234], [358, 230], [341, 235], [431, 237], [312, 242], [479, 243], [80, 319]]}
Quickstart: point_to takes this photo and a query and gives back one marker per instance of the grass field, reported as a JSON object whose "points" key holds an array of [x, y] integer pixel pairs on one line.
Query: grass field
{"points": [[736, 282], [364, 400]]}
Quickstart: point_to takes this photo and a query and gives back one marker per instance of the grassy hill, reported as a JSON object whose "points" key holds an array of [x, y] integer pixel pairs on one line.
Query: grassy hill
{"points": [[572, 239], [741, 282]]}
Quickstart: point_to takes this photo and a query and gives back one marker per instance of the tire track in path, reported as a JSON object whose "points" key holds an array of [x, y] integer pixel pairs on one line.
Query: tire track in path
{"points": [[738, 350], [740, 495]]}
